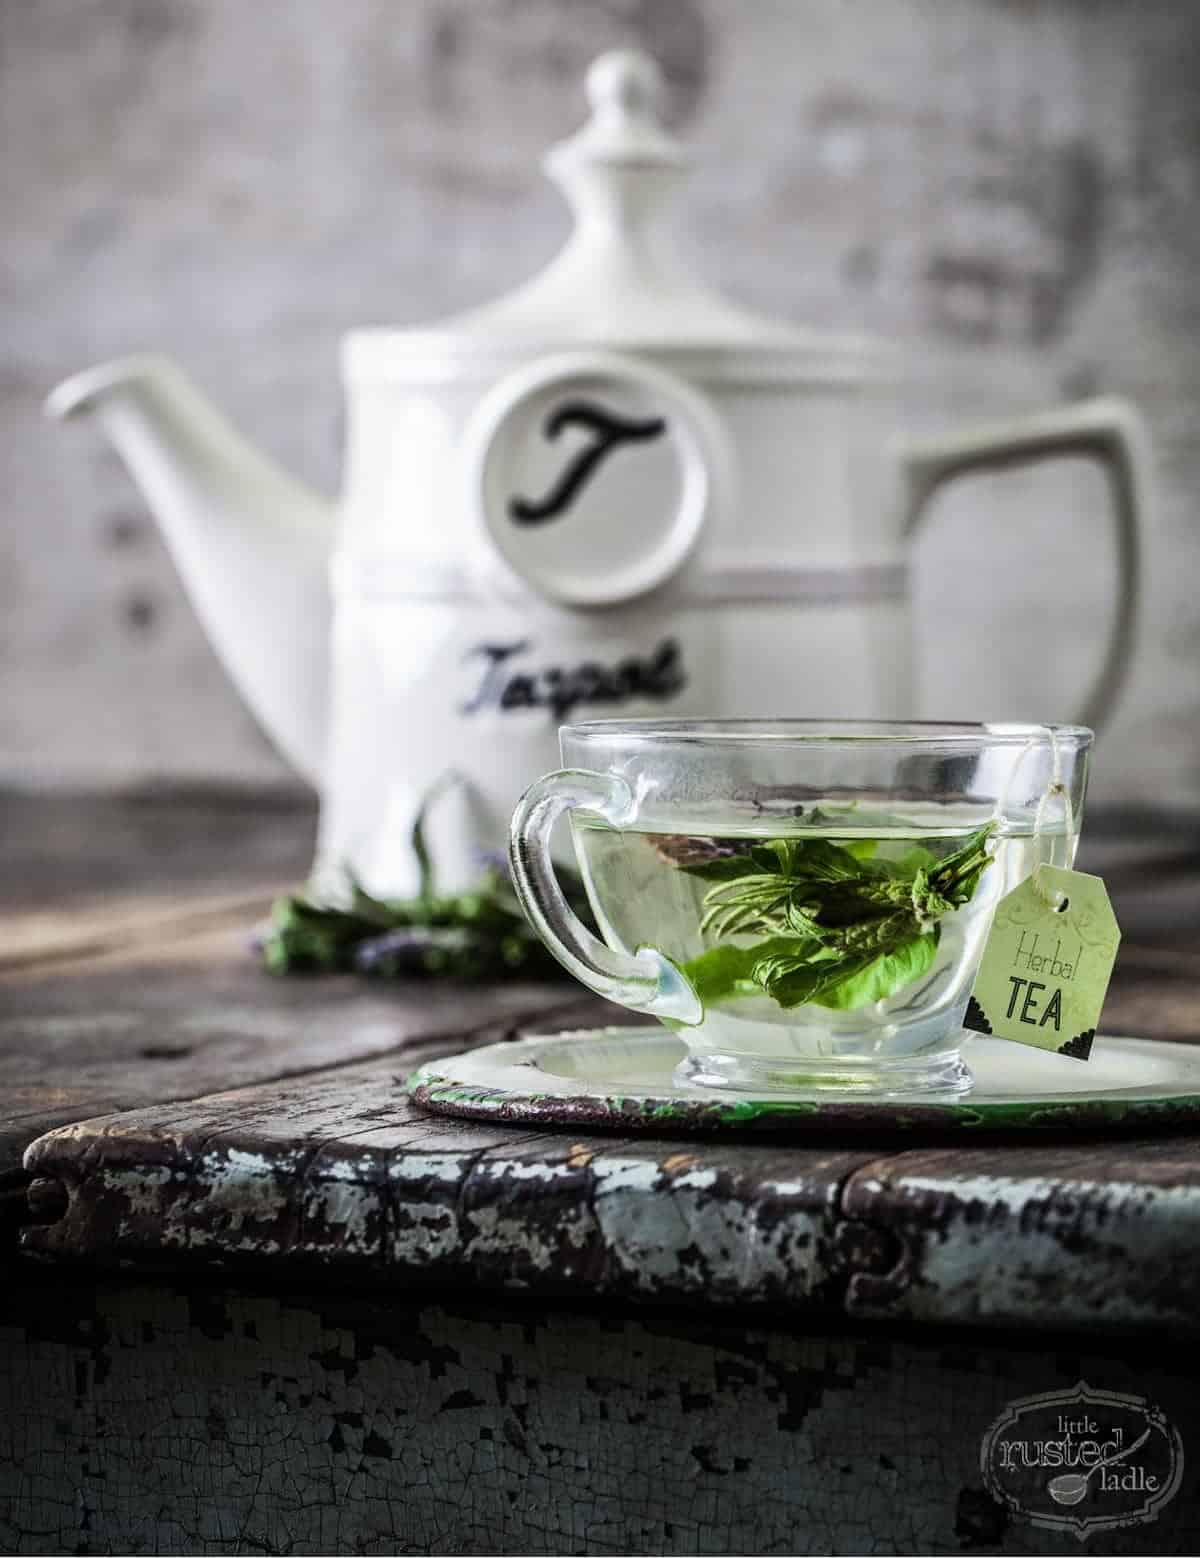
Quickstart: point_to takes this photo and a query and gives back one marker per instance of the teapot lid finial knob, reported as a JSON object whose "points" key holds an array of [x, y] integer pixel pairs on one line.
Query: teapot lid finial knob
{"points": [[624, 133], [624, 82]]}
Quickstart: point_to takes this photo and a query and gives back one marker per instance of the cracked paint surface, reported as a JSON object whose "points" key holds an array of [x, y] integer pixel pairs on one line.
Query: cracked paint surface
{"points": [[341, 1170], [1107, 1239], [147, 1418]]}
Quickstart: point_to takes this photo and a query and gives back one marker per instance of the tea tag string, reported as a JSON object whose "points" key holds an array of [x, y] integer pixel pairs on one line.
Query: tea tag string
{"points": [[1055, 791]]}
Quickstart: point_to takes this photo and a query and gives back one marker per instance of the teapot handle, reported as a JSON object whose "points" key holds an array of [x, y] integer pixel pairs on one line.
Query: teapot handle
{"points": [[1109, 430]]}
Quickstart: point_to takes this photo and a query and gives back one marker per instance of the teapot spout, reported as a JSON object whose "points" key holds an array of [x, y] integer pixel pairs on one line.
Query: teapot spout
{"points": [[251, 544]]}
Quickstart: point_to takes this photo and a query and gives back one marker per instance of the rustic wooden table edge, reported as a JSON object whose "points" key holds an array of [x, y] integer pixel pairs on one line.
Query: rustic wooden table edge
{"points": [[336, 1171], [261, 1126]]}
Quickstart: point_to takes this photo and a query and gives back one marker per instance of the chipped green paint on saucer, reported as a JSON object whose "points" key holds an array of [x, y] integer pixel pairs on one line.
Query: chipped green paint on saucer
{"points": [[622, 1078]]}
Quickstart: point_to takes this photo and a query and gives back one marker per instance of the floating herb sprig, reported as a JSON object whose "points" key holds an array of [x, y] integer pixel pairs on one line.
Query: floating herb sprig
{"points": [[840, 927]]}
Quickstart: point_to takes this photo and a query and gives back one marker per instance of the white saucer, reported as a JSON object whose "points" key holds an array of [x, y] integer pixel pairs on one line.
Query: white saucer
{"points": [[623, 1077]]}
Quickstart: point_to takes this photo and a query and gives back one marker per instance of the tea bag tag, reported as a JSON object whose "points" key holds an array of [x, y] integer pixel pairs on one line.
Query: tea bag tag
{"points": [[1046, 963]]}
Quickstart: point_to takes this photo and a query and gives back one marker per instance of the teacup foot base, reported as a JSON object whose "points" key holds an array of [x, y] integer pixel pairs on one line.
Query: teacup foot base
{"points": [[942, 1075]]}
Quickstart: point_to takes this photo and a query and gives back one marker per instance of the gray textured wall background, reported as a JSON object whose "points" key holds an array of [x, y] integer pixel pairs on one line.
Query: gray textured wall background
{"points": [[1010, 188]]}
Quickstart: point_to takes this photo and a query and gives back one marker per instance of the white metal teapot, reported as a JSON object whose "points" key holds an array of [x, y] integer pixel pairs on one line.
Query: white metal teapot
{"points": [[611, 491]]}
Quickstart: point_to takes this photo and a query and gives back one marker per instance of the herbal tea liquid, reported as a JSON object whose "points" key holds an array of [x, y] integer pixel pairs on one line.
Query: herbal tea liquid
{"points": [[833, 935]]}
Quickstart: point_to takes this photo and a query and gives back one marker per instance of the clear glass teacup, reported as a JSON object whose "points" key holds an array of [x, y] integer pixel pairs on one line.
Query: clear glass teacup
{"points": [[805, 902]]}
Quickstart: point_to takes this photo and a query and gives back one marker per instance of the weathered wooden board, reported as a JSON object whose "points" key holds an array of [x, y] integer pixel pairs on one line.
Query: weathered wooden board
{"points": [[1079, 1235], [318, 1159], [153, 1418], [147, 925], [336, 1169], [339, 1169], [191, 1015], [126, 976]]}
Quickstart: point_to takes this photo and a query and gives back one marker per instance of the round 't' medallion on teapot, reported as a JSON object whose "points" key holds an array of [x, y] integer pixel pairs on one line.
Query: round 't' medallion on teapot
{"points": [[591, 478]]}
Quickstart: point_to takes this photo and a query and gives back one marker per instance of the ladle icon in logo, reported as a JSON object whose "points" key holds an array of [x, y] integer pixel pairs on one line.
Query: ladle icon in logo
{"points": [[1070, 1487]]}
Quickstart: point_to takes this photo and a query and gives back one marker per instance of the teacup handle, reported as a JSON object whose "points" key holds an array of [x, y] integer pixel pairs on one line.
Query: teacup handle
{"points": [[1107, 429], [646, 981]]}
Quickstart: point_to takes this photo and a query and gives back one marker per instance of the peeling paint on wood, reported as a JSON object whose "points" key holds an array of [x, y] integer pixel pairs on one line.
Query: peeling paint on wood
{"points": [[1084, 1236], [338, 1170], [152, 1418]]}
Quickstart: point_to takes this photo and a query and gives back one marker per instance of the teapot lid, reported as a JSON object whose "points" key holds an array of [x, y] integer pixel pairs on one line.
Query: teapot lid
{"points": [[618, 282]]}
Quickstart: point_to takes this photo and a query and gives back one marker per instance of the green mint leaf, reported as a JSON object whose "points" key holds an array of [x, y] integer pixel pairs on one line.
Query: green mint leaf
{"points": [[718, 974], [868, 937], [749, 905], [802, 921], [880, 977], [777, 857], [798, 977], [725, 972], [785, 955], [815, 860], [846, 903], [722, 868], [302, 937], [956, 876], [822, 861]]}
